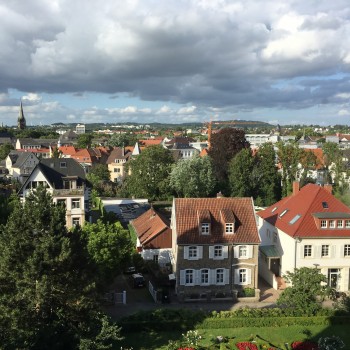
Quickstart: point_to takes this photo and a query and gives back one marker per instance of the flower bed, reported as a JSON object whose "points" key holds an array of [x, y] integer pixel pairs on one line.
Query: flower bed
{"points": [[304, 345], [246, 345]]}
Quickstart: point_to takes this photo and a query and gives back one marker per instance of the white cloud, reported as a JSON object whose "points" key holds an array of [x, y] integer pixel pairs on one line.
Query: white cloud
{"points": [[344, 112], [163, 110], [187, 110], [129, 110]]}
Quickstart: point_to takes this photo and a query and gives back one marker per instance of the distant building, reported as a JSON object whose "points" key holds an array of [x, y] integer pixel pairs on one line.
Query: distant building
{"points": [[80, 129], [21, 121]]}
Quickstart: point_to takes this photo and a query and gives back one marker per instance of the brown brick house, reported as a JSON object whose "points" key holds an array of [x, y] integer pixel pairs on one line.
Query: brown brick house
{"points": [[215, 247]]}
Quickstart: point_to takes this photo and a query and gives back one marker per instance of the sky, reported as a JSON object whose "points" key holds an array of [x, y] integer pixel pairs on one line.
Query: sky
{"points": [[175, 61]]}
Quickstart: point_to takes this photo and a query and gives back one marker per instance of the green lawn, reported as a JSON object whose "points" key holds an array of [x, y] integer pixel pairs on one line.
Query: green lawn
{"points": [[275, 336]]}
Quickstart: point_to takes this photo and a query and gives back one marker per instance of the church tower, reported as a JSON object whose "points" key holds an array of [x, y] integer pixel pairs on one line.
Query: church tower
{"points": [[21, 121]]}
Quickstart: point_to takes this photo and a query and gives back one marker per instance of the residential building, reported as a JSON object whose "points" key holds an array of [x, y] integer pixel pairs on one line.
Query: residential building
{"points": [[153, 237], [65, 180], [20, 164], [116, 162], [310, 228], [215, 247], [80, 129]]}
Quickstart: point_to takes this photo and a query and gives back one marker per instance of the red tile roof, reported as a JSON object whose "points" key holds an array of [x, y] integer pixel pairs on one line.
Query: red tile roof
{"points": [[68, 150], [149, 225], [309, 203], [187, 226], [150, 142]]}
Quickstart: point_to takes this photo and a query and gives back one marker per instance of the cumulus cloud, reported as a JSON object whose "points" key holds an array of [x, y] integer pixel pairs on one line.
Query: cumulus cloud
{"points": [[200, 55]]}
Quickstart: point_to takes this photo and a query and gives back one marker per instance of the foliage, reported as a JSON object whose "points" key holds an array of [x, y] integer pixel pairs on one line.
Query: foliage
{"points": [[193, 178], [307, 291], [150, 173], [330, 343], [7, 204], [225, 144], [85, 140], [304, 345], [48, 297], [5, 150], [120, 140], [109, 246], [99, 172]]}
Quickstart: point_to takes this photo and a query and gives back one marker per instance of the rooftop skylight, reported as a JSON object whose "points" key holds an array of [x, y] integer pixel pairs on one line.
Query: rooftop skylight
{"points": [[295, 219]]}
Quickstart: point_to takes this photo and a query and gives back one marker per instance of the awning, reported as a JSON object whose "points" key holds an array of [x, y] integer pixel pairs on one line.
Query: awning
{"points": [[270, 251]]}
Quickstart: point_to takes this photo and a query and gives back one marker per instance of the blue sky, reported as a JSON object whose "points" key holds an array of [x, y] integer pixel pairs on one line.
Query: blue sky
{"points": [[143, 61]]}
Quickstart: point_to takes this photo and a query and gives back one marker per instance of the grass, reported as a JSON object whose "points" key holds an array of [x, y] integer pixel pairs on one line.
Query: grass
{"points": [[265, 336]]}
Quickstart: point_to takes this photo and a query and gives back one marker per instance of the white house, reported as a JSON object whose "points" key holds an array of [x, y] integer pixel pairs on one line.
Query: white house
{"points": [[310, 228]]}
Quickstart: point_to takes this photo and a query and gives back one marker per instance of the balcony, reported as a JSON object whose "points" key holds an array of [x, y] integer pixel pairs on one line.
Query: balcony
{"points": [[79, 191]]}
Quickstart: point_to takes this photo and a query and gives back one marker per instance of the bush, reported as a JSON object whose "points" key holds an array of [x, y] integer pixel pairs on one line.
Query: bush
{"points": [[248, 292]]}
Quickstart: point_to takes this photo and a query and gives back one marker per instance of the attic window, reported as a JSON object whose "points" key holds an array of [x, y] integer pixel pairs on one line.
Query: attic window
{"points": [[63, 165], [284, 212], [274, 209], [229, 228], [325, 205], [295, 219], [205, 228]]}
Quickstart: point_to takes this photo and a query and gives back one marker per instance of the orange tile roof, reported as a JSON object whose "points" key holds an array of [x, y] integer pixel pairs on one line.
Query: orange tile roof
{"points": [[187, 225], [318, 152], [150, 142], [308, 204], [68, 150], [149, 225], [204, 152]]}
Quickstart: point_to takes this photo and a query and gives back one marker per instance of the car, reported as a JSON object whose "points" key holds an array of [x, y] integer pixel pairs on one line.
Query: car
{"points": [[130, 270], [137, 280]]}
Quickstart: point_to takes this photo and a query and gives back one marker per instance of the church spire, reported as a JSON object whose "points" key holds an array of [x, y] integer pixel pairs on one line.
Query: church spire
{"points": [[21, 121]]}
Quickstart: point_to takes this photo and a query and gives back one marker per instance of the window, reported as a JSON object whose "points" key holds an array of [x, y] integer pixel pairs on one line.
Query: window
{"points": [[295, 219], [217, 251], [347, 250], [63, 165], [325, 251], [243, 276], [219, 276], [155, 258], [61, 202], [242, 251], [331, 224], [205, 229], [325, 205], [75, 221], [192, 252], [274, 209], [340, 223], [284, 212], [229, 228], [189, 277], [307, 250], [116, 170], [323, 223], [75, 203], [205, 276], [274, 237], [347, 223]]}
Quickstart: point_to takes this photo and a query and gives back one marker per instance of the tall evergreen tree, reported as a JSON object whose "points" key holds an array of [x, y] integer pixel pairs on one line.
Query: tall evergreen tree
{"points": [[47, 291]]}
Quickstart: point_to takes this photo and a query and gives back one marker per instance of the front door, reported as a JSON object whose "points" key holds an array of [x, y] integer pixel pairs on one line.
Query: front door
{"points": [[275, 266], [333, 278]]}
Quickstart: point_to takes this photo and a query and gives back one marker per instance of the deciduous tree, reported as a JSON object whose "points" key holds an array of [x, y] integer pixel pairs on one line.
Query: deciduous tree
{"points": [[193, 177]]}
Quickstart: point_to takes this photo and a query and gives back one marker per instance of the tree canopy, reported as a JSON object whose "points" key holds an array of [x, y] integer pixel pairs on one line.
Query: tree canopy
{"points": [[150, 173], [5, 150], [224, 145], [193, 177], [48, 297]]}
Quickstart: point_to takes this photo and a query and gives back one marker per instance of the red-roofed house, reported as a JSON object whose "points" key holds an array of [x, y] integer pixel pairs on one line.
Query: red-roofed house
{"points": [[116, 163], [153, 237], [310, 228], [215, 247]]}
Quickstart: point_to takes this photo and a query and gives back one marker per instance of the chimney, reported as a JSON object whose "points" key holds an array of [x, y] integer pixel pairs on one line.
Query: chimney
{"points": [[328, 187], [219, 195], [295, 187]]}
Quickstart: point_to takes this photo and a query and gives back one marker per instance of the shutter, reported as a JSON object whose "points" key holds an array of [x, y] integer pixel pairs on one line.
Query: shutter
{"points": [[345, 280], [197, 277], [212, 276], [186, 253], [249, 276], [249, 251], [301, 251], [333, 251], [236, 276], [225, 251], [211, 252], [226, 276], [236, 251], [199, 252], [318, 252], [182, 277]]}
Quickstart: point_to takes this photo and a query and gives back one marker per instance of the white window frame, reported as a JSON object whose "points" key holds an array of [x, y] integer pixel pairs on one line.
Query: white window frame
{"points": [[323, 223], [74, 203], [340, 223], [307, 251], [218, 252], [347, 223], [189, 277], [220, 276], [332, 223], [192, 252], [229, 228], [347, 250], [205, 228], [75, 221], [325, 251], [204, 277], [243, 249], [243, 276]]}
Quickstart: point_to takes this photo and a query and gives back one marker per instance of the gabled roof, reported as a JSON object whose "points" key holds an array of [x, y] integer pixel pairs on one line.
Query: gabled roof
{"points": [[150, 142], [55, 172], [118, 153], [149, 225], [301, 212], [19, 157], [187, 212], [68, 150]]}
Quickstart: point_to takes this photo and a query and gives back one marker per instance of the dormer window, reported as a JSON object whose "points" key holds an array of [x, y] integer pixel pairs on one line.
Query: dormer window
{"points": [[63, 164], [339, 223], [323, 223], [229, 228], [205, 228]]}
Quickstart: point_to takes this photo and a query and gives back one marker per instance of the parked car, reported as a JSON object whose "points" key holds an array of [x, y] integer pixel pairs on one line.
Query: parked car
{"points": [[130, 270], [137, 280]]}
